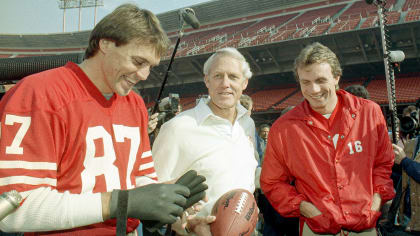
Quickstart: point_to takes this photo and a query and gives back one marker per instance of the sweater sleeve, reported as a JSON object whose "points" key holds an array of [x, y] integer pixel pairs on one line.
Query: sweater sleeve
{"points": [[275, 179], [45, 209]]}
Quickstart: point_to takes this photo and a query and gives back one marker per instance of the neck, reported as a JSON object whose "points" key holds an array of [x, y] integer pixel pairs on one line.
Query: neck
{"points": [[328, 109], [226, 113], [92, 68]]}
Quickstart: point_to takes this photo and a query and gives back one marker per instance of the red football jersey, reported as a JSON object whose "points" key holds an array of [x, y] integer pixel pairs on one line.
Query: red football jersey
{"points": [[59, 131]]}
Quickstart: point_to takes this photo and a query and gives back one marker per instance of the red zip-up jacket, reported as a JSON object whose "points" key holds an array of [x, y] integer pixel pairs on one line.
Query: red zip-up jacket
{"points": [[337, 164]]}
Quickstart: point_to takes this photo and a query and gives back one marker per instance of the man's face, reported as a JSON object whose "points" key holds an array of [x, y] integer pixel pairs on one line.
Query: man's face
{"points": [[264, 133], [225, 82], [318, 85], [126, 65]]}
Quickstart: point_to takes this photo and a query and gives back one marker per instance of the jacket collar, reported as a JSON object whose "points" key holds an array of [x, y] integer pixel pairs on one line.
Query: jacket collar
{"points": [[350, 104]]}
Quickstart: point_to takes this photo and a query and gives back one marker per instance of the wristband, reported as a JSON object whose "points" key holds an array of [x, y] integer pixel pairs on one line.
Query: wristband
{"points": [[122, 212]]}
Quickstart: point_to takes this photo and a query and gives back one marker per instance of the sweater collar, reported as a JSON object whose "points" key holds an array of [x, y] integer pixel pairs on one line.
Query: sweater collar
{"points": [[203, 111]]}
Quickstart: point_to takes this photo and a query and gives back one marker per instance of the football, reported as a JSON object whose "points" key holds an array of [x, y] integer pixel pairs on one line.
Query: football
{"points": [[236, 214]]}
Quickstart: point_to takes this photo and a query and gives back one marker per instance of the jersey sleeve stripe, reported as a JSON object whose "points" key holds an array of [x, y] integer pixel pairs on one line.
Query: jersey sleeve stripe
{"points": [[146, 166], [147, 172], [152, 175], [27, 180], [144, 180], [146, 154], [28, 165]]}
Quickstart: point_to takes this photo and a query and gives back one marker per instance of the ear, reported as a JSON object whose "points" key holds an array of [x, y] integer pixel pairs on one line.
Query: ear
{"points": [[337, 79], [105, 45], [245, 84], [206, 81]]}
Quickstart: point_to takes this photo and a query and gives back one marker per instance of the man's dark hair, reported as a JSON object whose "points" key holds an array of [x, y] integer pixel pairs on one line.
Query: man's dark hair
{"points": [[262, 126], [418, 103], [358, 90]]}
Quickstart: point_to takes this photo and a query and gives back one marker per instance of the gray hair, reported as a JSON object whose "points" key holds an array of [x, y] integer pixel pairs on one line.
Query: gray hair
{"points": [[231, 52]]}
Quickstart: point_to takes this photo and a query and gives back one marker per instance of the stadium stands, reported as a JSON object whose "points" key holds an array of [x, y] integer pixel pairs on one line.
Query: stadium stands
{"points": [[413, 15], [407, 90], [345, 25], [265, 99], [293, 100], [411, 4], [311, 19], [300, 19]]}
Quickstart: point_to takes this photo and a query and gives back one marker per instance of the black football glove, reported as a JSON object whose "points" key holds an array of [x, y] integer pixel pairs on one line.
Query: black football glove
{"points": [[197, 188], [158, 202]]}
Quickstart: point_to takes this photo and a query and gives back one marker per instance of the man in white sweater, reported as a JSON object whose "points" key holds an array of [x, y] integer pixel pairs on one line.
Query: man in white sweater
{"points": [[216, 138]]}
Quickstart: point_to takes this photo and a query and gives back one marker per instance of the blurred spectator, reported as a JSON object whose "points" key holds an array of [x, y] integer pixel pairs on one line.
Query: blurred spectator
{"points": [[408, 110], [179, 109], [409, 123], [153, 121], [246, 101], [158, 118], [263, 136], [409, 159], [358, 90]]}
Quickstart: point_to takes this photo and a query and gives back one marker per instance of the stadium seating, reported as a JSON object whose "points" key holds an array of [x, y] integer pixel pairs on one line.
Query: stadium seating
{"points": [[314, 22], [407, 90], [305, 20], [278, 26], [345, 25], [393, 17], [299, 21], [411, 5], [265, 99], [413, 15], [293, 100], [371, 21]]}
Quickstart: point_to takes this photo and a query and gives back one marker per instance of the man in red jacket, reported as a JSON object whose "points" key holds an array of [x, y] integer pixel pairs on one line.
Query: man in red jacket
{"points": [[335, 147]]}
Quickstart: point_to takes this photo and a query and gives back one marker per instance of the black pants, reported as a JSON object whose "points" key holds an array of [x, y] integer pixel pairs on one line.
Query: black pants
{"points": [[274, 223]]}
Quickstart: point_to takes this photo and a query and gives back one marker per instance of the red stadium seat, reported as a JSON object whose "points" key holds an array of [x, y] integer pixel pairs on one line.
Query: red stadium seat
{"points": [[411, 5], [265, 99], [407, 90]]}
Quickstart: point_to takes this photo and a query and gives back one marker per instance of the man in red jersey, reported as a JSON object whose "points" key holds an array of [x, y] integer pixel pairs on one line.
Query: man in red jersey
{"points": [[335, 148], [72, 137]]}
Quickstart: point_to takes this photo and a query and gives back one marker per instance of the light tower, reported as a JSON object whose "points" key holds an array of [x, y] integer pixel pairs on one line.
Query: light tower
{"points": [[67, 4]]}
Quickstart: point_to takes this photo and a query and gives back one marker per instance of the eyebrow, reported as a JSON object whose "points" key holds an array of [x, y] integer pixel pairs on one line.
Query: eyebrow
{"points": [[142, 59], [227, 72], [319, 78]]}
